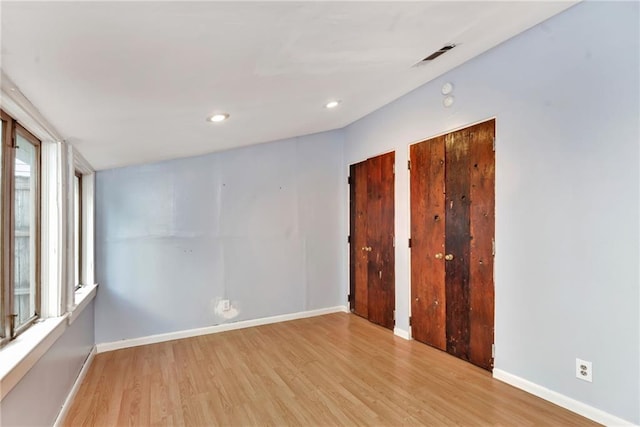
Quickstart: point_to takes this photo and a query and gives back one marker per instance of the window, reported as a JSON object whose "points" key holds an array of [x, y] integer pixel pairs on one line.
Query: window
{"points": [[77, 229], [20, 228], [46, 220], [82, 225], [2, 278]]}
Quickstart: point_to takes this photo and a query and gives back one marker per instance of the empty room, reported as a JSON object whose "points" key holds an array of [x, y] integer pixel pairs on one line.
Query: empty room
{"points": [[320, 213]]}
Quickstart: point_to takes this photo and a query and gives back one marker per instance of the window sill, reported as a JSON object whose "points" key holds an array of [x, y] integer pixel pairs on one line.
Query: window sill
{"points": [[21, 354], [82, 298]]}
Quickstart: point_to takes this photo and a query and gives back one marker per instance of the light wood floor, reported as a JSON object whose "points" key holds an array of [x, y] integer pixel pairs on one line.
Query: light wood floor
{"points": [[337, 369]]}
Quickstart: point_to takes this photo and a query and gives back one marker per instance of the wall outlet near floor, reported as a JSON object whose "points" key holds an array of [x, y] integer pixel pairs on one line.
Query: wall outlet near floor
{"points": [[584, 370], [226, 306]]}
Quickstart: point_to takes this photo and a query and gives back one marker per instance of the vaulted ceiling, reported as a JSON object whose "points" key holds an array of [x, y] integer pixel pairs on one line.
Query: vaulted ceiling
{"points": [[134, 82]]}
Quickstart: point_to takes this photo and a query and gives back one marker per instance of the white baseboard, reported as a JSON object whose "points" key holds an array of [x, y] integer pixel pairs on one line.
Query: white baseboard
{"points": [[74, 390], [153, 339], [402, 333], [566, 402]]}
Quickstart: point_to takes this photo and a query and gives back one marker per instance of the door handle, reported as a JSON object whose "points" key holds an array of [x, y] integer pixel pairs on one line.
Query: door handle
{"points": [[448, 257], [438, 256]]}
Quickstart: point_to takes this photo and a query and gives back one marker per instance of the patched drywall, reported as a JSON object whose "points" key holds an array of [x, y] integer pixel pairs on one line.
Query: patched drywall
{"points": [[261, 227]]}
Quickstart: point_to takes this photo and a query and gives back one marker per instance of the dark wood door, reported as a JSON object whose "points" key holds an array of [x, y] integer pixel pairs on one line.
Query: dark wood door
{"points": [[428, 314], [452, 231], [359, 255], [372, 230]]}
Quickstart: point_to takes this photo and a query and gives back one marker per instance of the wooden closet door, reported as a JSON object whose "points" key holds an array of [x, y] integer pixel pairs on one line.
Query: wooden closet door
{"points": [[482, 222], [457, 242], [380, 224], [372, 258], [359, 255], [452, 242], [428, 316]]}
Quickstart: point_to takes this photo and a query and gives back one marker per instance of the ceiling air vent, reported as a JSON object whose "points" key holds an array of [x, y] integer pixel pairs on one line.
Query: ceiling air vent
{"points": [[443, 49]]}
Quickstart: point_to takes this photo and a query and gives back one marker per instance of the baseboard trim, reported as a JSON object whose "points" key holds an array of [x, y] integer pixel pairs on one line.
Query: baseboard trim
{"points": [[566, 402], [74, 390], [153, 339], [401, 333]]}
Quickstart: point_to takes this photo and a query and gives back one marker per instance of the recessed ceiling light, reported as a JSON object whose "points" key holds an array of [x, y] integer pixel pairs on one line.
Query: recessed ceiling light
{"points": [[332, 104], [220, 117]]}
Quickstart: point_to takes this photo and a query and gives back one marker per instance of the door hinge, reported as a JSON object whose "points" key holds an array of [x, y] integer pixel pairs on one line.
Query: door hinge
{"points": [[493, 351], [394, 168], [409, 241], [394, 315], [349, 239], [494, 143], [409, 164], [409, 320], [349, 180], [493, 246], [349, 298]]}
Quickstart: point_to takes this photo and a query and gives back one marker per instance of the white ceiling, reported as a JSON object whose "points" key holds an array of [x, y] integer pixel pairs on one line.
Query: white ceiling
{"points": [[133, 82]]}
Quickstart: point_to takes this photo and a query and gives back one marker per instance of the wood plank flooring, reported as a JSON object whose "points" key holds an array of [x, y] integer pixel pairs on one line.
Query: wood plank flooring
{"points": [[337, 369]]}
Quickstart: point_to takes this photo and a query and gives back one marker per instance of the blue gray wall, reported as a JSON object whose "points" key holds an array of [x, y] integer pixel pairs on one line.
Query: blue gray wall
{"points": [[261, 226], [37, 399], [566, 99]]}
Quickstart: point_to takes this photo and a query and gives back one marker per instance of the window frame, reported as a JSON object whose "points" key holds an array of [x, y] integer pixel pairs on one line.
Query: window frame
{"points": [[80, 166], [60, 307], [7, 131], [78, 239], [9, 331]]}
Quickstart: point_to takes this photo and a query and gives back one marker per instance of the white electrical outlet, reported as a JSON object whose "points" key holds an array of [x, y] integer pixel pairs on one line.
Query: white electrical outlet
{"points": [[584, 370], [225, 305]]}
